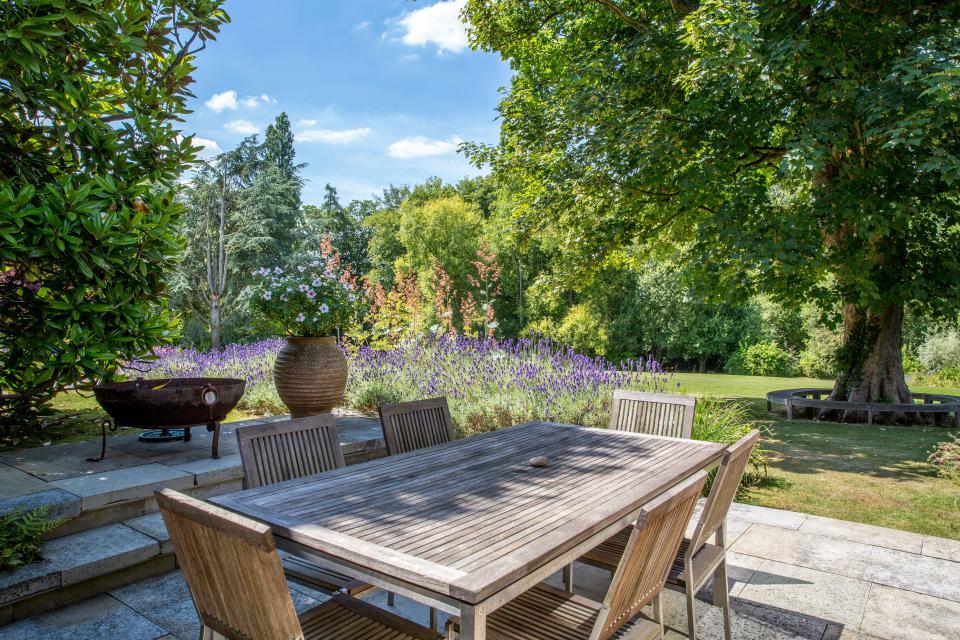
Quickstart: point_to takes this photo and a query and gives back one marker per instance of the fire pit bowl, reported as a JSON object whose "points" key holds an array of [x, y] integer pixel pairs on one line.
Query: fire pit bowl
{"points": [[171, 402]]}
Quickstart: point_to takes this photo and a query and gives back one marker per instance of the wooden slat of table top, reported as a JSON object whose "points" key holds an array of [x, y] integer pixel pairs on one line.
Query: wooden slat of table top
{"points": [[461, 514]]}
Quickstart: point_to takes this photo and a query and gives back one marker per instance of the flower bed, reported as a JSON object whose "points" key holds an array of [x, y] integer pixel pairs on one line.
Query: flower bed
{"points": [[490, 383]]}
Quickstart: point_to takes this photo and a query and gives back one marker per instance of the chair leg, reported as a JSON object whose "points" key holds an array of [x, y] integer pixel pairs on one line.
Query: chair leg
{"points": [[691, 596], [433, 619], [453, 628], [722, 587], [657, 606], [390, 598], [568, 577]]}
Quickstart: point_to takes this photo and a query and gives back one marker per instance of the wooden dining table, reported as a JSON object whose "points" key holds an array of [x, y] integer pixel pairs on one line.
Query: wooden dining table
{"points": [[468, 525]]}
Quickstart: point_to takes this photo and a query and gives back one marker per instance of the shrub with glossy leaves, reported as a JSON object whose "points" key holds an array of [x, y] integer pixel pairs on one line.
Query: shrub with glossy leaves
{"points": [[91, 92]]}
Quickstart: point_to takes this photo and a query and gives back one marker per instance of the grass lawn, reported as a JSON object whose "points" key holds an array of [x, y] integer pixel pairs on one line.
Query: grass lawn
{"points": [[872, 474], [876, 475]]}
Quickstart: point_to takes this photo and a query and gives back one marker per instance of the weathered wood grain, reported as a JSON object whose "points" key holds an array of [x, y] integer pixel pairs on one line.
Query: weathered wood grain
{"points": [[661, 414], [469, 517]]}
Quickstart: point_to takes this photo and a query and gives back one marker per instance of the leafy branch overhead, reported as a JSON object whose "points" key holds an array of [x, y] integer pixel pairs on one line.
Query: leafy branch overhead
{"points": [[803, 149], [91, 94]]}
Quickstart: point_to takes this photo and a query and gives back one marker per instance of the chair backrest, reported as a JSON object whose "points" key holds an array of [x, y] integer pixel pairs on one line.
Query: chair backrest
{"points": [[288, 449], [415, 425], [724, 489], [658, 414], [231, 566], [648, 556]]}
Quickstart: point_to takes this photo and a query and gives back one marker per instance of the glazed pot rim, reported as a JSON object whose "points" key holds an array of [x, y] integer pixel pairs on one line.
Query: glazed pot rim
{"points": [[310, 338]]}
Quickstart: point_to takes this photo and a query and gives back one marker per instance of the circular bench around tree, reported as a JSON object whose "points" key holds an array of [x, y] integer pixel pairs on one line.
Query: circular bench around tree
{"points": [[813, 398]]}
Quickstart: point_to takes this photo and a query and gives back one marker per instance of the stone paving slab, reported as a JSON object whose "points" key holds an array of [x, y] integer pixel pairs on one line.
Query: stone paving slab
{"points": [[210, 471], [740, 570], [795, 547], [152, 525], [865, 533], [199, 447], [99, 618], [101, 489], [747, 622], [68, 460], [165, 600], [911, 572], [894, 614], [941, 548], [78, 557], [59, 503], [768, 516], [818, 594], [16, 482]]}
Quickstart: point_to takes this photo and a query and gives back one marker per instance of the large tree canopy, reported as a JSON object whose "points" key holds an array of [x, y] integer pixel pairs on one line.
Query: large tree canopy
{"points": [[805, 148], [91, 93]]}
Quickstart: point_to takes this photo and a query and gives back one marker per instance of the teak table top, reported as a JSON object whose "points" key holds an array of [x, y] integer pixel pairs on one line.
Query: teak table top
{"points": [[467, 518]]}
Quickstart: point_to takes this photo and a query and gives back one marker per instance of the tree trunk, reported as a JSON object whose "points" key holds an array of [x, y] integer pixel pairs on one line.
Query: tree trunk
{"points": [[871, 360], [214, 322], [702, 364]]}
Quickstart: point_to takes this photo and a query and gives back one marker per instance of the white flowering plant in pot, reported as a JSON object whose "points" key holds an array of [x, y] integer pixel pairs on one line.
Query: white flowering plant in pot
{"points": [[315, 297]]}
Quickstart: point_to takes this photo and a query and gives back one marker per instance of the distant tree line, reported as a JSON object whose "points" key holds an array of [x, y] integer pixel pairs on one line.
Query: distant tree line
{"points": [[440, 257]]}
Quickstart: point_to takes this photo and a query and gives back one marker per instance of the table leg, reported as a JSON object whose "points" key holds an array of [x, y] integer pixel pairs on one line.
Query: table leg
{"points": [[473, 623]]}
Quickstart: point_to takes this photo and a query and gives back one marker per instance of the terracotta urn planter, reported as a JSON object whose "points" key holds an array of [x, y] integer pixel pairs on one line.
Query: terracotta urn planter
{"points": [[310, 375]]}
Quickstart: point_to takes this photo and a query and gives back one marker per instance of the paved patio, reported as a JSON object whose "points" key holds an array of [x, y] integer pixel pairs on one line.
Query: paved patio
{"points": [[792, 576]]}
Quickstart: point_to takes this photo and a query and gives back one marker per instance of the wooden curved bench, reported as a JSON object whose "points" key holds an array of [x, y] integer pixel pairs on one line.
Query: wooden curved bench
{"points": [[810, 398]]}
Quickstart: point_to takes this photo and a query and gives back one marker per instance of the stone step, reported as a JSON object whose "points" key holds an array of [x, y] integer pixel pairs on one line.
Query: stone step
{"points": [[87, 563], [114, 534]]}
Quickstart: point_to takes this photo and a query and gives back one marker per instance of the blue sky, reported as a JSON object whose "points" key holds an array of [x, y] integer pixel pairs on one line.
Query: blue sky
{"points": [[378, 91]]}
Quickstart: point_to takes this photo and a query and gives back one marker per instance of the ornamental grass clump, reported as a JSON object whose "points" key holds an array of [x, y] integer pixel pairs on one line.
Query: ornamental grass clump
{"points": [[726, 421]]}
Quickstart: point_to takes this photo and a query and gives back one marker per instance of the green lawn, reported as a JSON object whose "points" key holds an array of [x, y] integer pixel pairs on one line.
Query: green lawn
{"points": [[872, 474], [877, 475]]}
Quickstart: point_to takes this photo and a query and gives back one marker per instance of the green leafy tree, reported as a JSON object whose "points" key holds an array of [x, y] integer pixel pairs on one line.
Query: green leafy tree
{"points": [[243, 213], [345, 226], [445, 230], [668, 319], [91, 94], [810, 150], [383, 228], [279, 148]]}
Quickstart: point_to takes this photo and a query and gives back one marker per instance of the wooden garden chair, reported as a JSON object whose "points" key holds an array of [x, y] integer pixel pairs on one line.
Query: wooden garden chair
{"points": [[408, 426], [697, 559], [287, 450], [658, 414], [548, 613], [231, 565]]}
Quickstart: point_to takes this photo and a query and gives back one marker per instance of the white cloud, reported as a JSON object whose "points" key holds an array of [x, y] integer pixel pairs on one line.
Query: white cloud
{"points": [[362, 25], [252, 102], [220, 101], [209, 147], [242, 127], [332, 136], [421, 147], [306, 123], [438, 24]]}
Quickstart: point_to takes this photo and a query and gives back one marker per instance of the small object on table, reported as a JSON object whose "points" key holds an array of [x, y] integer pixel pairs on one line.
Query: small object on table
{"points": [[539, 461]]}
